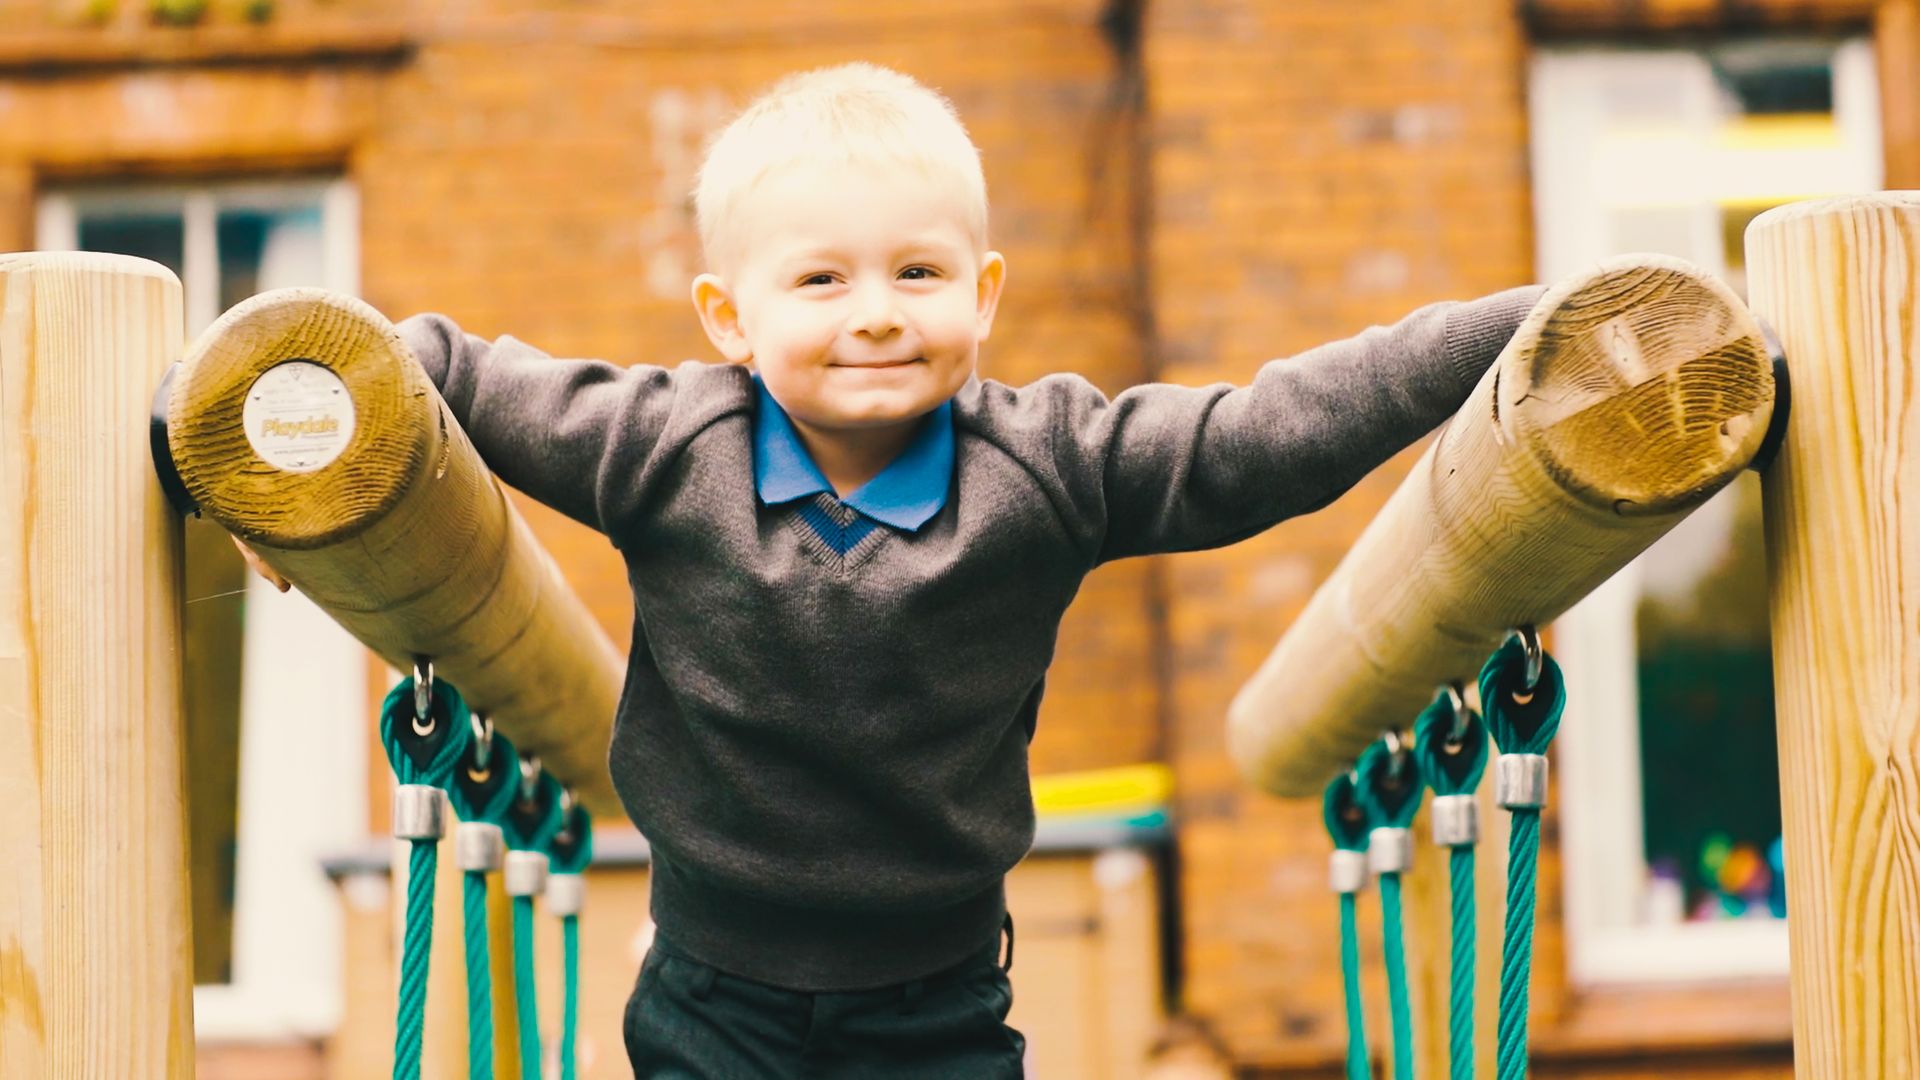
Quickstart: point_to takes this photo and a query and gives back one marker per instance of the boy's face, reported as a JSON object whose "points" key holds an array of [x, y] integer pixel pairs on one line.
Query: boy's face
{"points": [[855, 290]]}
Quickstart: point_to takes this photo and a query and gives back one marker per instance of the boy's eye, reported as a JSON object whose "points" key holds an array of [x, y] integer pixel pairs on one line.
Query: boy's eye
{"points": [[817, 279], [917, 273]]}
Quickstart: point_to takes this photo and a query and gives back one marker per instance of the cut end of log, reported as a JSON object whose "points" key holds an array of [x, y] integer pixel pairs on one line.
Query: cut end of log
{"points": [[291, 423], [1643, 386]]}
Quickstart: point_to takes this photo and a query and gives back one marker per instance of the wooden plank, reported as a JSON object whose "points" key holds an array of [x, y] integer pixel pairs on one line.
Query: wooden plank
{"points": [[95, 953], [376, 506], [1836, 278], [1628, 397]]}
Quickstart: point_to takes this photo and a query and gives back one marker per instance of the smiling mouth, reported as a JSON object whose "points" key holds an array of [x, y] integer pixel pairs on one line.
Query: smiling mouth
{"points": [[884, 363]]}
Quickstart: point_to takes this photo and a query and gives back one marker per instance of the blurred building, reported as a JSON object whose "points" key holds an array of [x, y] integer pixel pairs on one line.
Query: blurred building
{"points": [[1183, 190]]}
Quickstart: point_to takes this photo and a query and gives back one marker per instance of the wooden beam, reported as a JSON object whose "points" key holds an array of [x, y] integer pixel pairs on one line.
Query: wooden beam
{"points": [[95, 953], [1836, 278], [1629, 396], [300, 423]]}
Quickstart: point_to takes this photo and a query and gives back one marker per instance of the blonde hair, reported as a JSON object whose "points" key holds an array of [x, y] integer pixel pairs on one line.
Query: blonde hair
{"points": [[855, 113]]}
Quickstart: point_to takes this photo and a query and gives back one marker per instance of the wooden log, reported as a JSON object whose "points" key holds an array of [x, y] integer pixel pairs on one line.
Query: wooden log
{"points": [[1836, 278], [1628, 396], [95, 950], [300, 423]]}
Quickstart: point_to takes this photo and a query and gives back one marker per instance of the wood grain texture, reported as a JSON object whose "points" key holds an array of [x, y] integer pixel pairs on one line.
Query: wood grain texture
{"points": [[1628, 397], [405, 538], [95, 953], [1837, 279]]}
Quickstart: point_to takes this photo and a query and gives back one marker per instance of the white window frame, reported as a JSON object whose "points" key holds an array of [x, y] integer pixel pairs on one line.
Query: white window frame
{"points": [[303, 774], [1583, 168]]}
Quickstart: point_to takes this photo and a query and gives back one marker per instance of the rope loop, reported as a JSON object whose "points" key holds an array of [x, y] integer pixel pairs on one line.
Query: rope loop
{"points": [[1450, 744], [1346, 818], [1523, 719], [424, 758], [1388, 785], [570, 848], [485, 779], [532, 815]]}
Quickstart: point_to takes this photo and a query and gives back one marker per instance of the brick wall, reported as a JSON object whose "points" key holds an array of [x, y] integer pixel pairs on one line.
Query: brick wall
{"points": [[1317, 167]]}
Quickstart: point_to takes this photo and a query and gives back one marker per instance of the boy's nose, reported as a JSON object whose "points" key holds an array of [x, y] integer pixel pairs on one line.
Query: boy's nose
{"points": [[874, 313]]}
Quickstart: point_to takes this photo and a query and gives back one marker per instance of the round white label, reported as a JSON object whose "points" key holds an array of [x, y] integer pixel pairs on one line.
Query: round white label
{"points": [[298, 416]]}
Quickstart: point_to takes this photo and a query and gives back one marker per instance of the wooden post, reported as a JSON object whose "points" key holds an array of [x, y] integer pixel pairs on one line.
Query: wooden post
{"points": [[95, 948], [1836, 279], [1629, 396], [300, 423]]}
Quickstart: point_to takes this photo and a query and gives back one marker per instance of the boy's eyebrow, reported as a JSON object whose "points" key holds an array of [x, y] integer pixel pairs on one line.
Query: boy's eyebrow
{"points": [[917, 245]]}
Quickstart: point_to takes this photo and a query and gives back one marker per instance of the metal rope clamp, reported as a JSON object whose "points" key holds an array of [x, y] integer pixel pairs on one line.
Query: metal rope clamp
{"points": [[1520, 781], [1347, 870], [419, 812], [566, 894]]}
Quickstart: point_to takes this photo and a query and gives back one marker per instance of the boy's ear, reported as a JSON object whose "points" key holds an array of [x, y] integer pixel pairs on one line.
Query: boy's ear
{"points": [[993, 277], [720, 318]]}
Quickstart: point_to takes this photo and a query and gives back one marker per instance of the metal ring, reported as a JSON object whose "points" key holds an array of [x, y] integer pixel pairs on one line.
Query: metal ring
{"points": [[1396, 753], [565, 835], [423, 721], [482, 740], [529, 776], [1536, 656], [1458, 703]]}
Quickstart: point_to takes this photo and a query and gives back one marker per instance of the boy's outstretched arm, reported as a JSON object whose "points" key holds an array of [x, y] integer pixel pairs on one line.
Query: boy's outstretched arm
{"points": [[1183, 468], [573, 434]]}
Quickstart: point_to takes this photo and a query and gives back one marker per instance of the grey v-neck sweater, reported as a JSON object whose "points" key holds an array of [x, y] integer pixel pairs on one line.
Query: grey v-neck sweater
{"points": [[828, 752]]}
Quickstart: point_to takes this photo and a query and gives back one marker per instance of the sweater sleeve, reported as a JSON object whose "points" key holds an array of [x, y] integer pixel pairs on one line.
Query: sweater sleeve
{"points": [[573, 434], [1163, 468]]}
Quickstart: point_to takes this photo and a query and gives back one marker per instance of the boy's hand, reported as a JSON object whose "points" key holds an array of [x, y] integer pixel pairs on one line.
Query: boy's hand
{"points": [[260, 567]]}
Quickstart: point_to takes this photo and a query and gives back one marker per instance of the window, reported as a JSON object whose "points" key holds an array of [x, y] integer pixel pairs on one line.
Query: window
{"points": [[1671, 815], [276, 767]]}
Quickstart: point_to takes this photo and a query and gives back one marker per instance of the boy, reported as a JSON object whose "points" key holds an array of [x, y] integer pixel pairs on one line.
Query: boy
{"points": [[849, 564]]}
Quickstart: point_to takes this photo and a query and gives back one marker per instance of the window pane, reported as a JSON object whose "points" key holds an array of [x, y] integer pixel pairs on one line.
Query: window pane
{"points": [[268, 249], [1711, 778], [161, 237]]}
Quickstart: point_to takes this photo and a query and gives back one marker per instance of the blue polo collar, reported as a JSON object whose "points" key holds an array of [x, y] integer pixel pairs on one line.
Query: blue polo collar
{"points": [[906, 494]]}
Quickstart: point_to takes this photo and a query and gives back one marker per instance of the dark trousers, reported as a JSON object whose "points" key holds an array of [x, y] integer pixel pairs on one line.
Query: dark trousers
{"points": [[687, 1021]]}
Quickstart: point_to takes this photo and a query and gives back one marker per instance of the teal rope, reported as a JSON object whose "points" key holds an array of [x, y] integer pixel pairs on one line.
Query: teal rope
{"points": [[1357, 1066], [479, 981], [524, 992], [529, 825], [481, 795], [570, 1012], [1460, 1004], [419, 760], [1516, 953], [1346, 822], [568, 852], [1396, 956], [412, 1010], [1519, 728], [1451, 749]]}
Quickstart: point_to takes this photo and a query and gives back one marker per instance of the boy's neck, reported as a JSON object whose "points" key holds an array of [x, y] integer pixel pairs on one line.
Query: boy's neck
{"points": [[849, 457]]}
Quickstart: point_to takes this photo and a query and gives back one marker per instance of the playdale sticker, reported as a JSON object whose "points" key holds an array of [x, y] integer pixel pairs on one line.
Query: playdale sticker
{"points": [[298, 416]]}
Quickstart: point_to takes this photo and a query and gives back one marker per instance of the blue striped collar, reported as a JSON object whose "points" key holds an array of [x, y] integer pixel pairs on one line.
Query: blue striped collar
{"points": [[907, 493]]}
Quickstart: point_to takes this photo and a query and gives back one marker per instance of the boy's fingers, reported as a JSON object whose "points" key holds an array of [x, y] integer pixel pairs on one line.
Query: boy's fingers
{"points": [[259, 566]]}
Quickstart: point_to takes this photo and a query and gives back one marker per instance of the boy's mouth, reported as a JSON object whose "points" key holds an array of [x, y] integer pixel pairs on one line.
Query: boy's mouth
{"points": [[882, 363]]}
